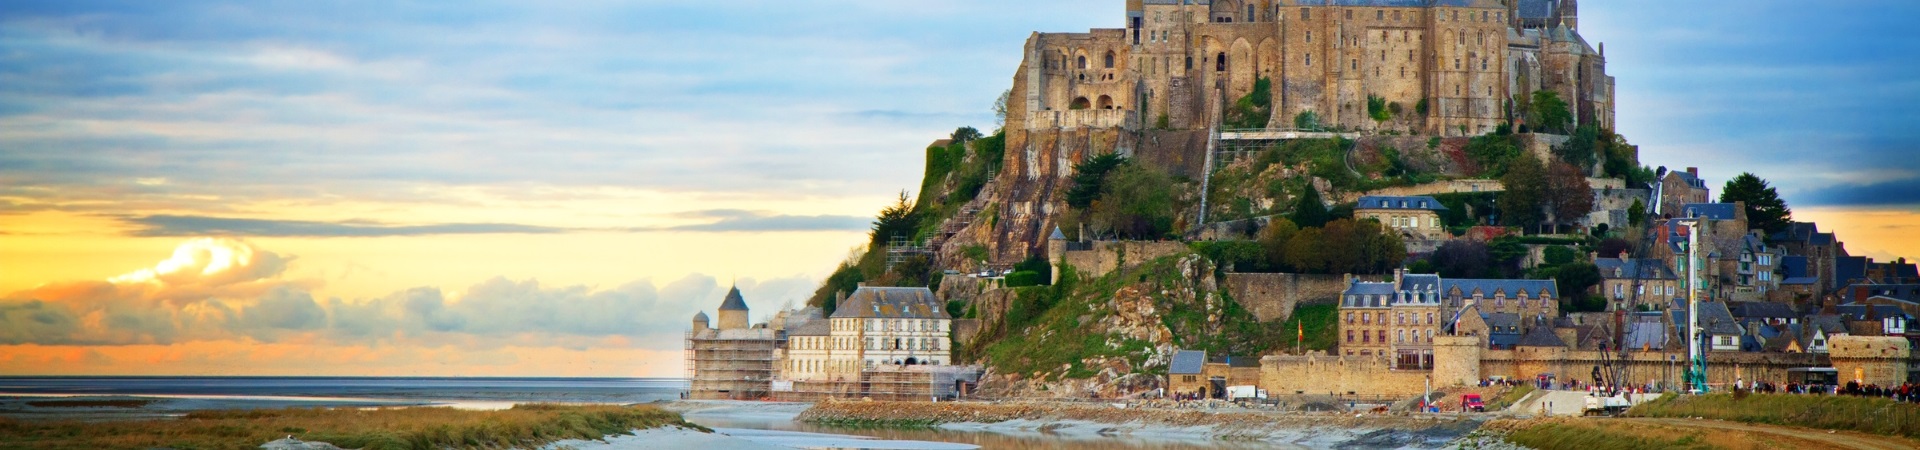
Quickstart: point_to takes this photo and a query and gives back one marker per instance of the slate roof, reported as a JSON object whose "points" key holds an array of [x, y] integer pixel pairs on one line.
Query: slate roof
{"points": [[1714, 320], [1854, 311], [1512, 288], [1541, 336], [1367, 294], [1535, 9], [701, 317], [1795, 270], [1762, 310], [1847, 269], [1420, 282], [1057, 235], [1187, 362], [869, 302], [1715, 211], [814, 327], [1647, 268], [733, 301], [1830, 324], [1689, 178], [1502, 323], [1646, 331], [1416, 202], [1234, 361]]}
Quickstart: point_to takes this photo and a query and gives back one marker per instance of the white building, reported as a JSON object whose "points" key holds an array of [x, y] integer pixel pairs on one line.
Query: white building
{"points": [[877, 326]]}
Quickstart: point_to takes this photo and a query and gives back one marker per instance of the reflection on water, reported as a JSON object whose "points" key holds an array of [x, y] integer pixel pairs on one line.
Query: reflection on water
{"points": [[986, 440]]}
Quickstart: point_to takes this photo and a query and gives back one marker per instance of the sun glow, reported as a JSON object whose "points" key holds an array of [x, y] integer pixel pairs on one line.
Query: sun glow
{"points": [[209, 255]]}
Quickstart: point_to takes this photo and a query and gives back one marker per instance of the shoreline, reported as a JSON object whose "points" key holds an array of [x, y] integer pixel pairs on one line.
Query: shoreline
{"points": [[1314, 430]]}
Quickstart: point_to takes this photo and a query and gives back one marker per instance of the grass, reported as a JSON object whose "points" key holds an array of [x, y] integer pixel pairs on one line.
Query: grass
{"points": [[1866, 415], [1511, 397], [391, 428], [1600, 435]]}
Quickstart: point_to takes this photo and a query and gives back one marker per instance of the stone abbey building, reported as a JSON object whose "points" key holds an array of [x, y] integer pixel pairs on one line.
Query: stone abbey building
{"points": [[1444, 67]]}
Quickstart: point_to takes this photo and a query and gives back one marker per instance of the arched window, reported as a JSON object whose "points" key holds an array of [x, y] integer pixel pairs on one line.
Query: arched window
{"points": [[1106, 102], [1220, 62], [1109, 60], [1249, 12]]}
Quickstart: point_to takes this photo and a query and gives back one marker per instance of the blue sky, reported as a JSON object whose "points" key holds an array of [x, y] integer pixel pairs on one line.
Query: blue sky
{"points": [[777, 99]]}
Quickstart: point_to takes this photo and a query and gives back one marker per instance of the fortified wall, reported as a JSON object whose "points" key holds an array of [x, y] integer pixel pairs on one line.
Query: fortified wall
{"points": [[1870, 359], [1272, 296], [1319, 373], [1104, 257]]}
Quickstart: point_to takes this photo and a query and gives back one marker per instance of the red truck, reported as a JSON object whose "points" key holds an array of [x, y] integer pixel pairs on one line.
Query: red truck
{"points": [[1471, 402]]}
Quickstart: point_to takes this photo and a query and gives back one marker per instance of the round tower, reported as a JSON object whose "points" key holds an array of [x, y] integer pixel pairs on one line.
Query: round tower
{"points": [[733, 311], [700, 321]]}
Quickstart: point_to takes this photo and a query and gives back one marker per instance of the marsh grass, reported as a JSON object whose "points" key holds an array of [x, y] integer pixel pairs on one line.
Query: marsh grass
{"points": [[390, 428], [1511, 397], [1867, 415], [1601, 435]]}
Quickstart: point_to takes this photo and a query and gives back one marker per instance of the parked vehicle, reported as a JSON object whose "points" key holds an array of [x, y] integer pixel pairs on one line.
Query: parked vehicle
{"points": [[1472, 402], [1606, 406], [1245, 392]]}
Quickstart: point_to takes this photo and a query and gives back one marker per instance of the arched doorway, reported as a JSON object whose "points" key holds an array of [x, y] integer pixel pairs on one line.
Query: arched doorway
{"points": [[1106, 102], [1080, 103], [1220, 62], [913, 361]]}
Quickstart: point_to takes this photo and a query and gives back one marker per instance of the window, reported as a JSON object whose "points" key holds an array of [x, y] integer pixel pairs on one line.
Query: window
{"points": [[1379, 15], [1349, 318], [1309, 36], [1249, 13], [1349, 14], [1349, 336], [1383, 336], [1356, 64], [1082, 59], [1396, 18], [1309, 60], [1402, 336], [1400, 318], [1429, 318], [1306, 14], [1365, 337], [1109, 60]]}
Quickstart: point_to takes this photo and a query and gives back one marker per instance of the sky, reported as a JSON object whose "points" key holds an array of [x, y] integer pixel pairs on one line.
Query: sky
{"points": [[554, 189]]}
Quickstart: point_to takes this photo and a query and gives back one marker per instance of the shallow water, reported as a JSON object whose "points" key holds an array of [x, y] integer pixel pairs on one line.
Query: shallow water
{"points": [[988, 440]]}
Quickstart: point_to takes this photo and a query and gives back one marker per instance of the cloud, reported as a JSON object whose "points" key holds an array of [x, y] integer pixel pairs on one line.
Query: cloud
{"points": [[222, 289], [174, 226], [1903, 192], [733, 220]]}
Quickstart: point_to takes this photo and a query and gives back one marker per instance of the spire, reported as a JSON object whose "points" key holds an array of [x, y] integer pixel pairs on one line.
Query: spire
{"points": [[733, 301]]}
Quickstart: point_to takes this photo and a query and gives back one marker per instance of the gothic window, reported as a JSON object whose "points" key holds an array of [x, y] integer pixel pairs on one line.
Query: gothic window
{"points": [[1109, 60], [1409, 55], [1249, 12], [1082, 60], [1220, 62]]}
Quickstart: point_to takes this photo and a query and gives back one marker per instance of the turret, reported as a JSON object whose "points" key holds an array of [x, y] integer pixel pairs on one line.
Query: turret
{"points": [[733, 311], [700, 321], [1056, 252]]}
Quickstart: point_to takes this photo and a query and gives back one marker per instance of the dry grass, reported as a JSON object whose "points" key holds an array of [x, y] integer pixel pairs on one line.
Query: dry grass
{"points": [[1867, 415], [1603, 435], [393, 428], [1507, 400]]}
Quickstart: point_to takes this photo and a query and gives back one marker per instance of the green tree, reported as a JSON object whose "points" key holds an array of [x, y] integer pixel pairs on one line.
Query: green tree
{"points": [[1304, 252], [897, 221], [1088, 178], [1492, 153], [1273, 243], [1306, 120], [1526, 183], [964, 135], [1507, 252], [1765, 209], [1135, 203], [1550, 113], [1254, 109], [1000, 107], [1574, 280], [1377, 109], [1637, 214], [1308, 210], [1461, 258], [1582, 148]]}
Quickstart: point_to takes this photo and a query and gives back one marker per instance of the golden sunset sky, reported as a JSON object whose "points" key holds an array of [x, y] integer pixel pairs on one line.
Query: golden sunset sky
{"points": [[506, 188]]}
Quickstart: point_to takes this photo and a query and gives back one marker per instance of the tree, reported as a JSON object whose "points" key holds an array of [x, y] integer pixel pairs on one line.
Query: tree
{"points": [[1461, 258], [1254, 109], [1507, 253], [1765, 209], [1308, 210], [897, 221], [1581, 149], [1526, 183], [1304, 252], [964, 135], [1274, 240], [1568, 195], [1637, 214], [1613, 247], [1306, 120], [1574, 280], [1550, 113], [1377, 109], [1492, 153], [1088, 178], [1000, 106], [1136, 203]]}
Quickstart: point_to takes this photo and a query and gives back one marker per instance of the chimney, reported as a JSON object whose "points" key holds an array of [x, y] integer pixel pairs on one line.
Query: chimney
{"points": [[1695, 171]]}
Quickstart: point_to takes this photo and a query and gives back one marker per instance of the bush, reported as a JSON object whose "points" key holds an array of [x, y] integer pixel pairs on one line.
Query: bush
{"points": [[1024, 278]]}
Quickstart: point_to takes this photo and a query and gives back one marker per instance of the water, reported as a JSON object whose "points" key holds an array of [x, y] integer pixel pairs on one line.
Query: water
{"points": [[182, 394]]}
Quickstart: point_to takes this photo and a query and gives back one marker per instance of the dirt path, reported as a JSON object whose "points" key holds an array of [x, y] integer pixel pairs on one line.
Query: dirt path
{"points": [[1792, 437]]}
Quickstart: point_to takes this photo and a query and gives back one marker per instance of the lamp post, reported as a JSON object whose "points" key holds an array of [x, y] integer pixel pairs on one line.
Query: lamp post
{"points": [[1696, 358]]}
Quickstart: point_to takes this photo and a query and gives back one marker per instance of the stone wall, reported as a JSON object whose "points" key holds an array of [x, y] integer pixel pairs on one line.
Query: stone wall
{"points": [[1437, 187], [1108, 256], [1870, 359], [1272, 296], [1179, 152], [1317, 373], [1642, 367]]}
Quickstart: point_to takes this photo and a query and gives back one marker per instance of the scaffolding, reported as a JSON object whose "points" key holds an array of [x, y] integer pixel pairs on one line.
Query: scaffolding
{"points": [[739, 367], [901, 249]]}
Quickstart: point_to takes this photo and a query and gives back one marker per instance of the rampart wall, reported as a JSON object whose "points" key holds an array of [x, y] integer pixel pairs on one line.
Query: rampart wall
{"points": [[1272, 296], [1318, 373], [1108, 256]]}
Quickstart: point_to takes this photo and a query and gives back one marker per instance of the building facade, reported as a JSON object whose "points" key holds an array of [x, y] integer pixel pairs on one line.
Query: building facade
{"points": [[1416, 218], [734, 361]]}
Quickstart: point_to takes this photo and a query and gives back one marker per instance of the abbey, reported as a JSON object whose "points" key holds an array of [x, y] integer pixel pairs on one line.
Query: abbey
{"points": [[1440, 67]]}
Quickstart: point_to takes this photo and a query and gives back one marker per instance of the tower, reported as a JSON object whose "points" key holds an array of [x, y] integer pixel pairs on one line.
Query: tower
{"points": [[700, 321], [733, 311], [1570, 14]]}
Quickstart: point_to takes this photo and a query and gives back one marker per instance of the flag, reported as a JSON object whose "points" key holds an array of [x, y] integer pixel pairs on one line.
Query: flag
{"points": [[1301, 328]]}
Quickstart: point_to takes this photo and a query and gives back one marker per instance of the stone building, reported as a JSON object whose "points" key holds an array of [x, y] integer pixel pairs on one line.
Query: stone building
{"points": [[1674, 189], [1416, 218], [1401, 318], [734, 361], [878, 326], [1450, 67], [1630, 283]]}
